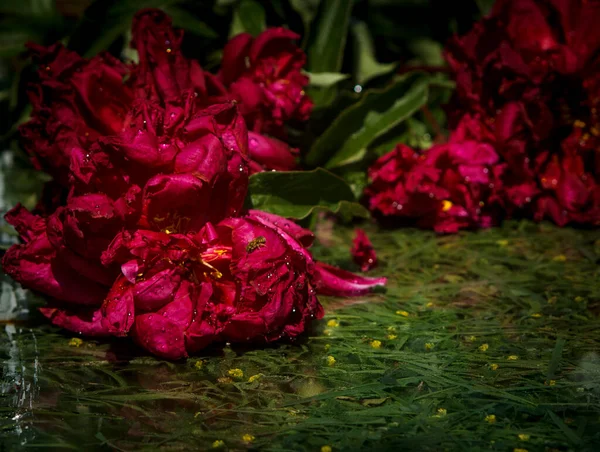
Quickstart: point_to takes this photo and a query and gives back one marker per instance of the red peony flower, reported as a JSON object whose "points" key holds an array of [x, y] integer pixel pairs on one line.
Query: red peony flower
{"points": [[80, 106], [448, 188], [528, 75], [363, 252], [263, 74]]}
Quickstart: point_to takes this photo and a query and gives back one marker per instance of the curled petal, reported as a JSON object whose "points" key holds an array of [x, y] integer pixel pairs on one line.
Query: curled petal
{"points": [[338, 282], [82, 321]]}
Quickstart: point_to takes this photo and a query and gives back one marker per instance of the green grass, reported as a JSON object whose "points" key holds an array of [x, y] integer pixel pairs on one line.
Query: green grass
{"points": [[498, 323]]}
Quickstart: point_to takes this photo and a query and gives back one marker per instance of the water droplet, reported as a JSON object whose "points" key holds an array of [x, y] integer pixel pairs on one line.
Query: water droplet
{"points": [[431, 195], [129, 314], [528, 199], [485, 170], [358, 88]]}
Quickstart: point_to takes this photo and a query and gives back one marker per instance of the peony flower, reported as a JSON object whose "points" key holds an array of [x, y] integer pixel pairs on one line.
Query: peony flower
{"points": [[528, 75], [83, 106], [362, 251], [448, 188], [248, 278], [263, 74]]}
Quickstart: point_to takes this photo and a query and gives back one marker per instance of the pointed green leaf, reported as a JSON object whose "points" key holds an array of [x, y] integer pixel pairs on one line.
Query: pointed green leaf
{"points": [[348, 137], [326, 79], [366, 65], [326, 49]]}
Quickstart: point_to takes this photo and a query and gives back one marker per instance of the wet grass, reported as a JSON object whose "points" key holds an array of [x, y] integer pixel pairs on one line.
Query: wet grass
{"points": [[482, 341]]}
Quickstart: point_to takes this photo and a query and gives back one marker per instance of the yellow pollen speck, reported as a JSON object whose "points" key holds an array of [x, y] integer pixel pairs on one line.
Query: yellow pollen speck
{"points": [[512, 358], [523, 436], [247, 438], [235, 373], [75, 342], [441, 412], [536, 315], [403, 313], [502, 242], [330, 361], [333, 323], [579, 124], [472, 338], [391, 337], [326, 449], [217, 444], [446, 205], [559, 258], [483, 347], [494, 366], [578, 299], [198, 364], [490, 418], [253, 378], [429, 345], [375, 344], [517, 449], [168, 50], [429, 305]]}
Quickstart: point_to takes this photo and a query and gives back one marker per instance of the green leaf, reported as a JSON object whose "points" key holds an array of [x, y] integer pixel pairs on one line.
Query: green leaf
{"points": [[366, 65], [428, 52], [297, 194], [326, 49], [347, 139], [326, 79], [249, 16]]}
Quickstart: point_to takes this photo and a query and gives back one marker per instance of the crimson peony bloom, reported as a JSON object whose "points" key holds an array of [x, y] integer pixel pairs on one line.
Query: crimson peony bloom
{"points": [[528, 74], [450, 187], [362, 251], [83, 105], [263, 74]]}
